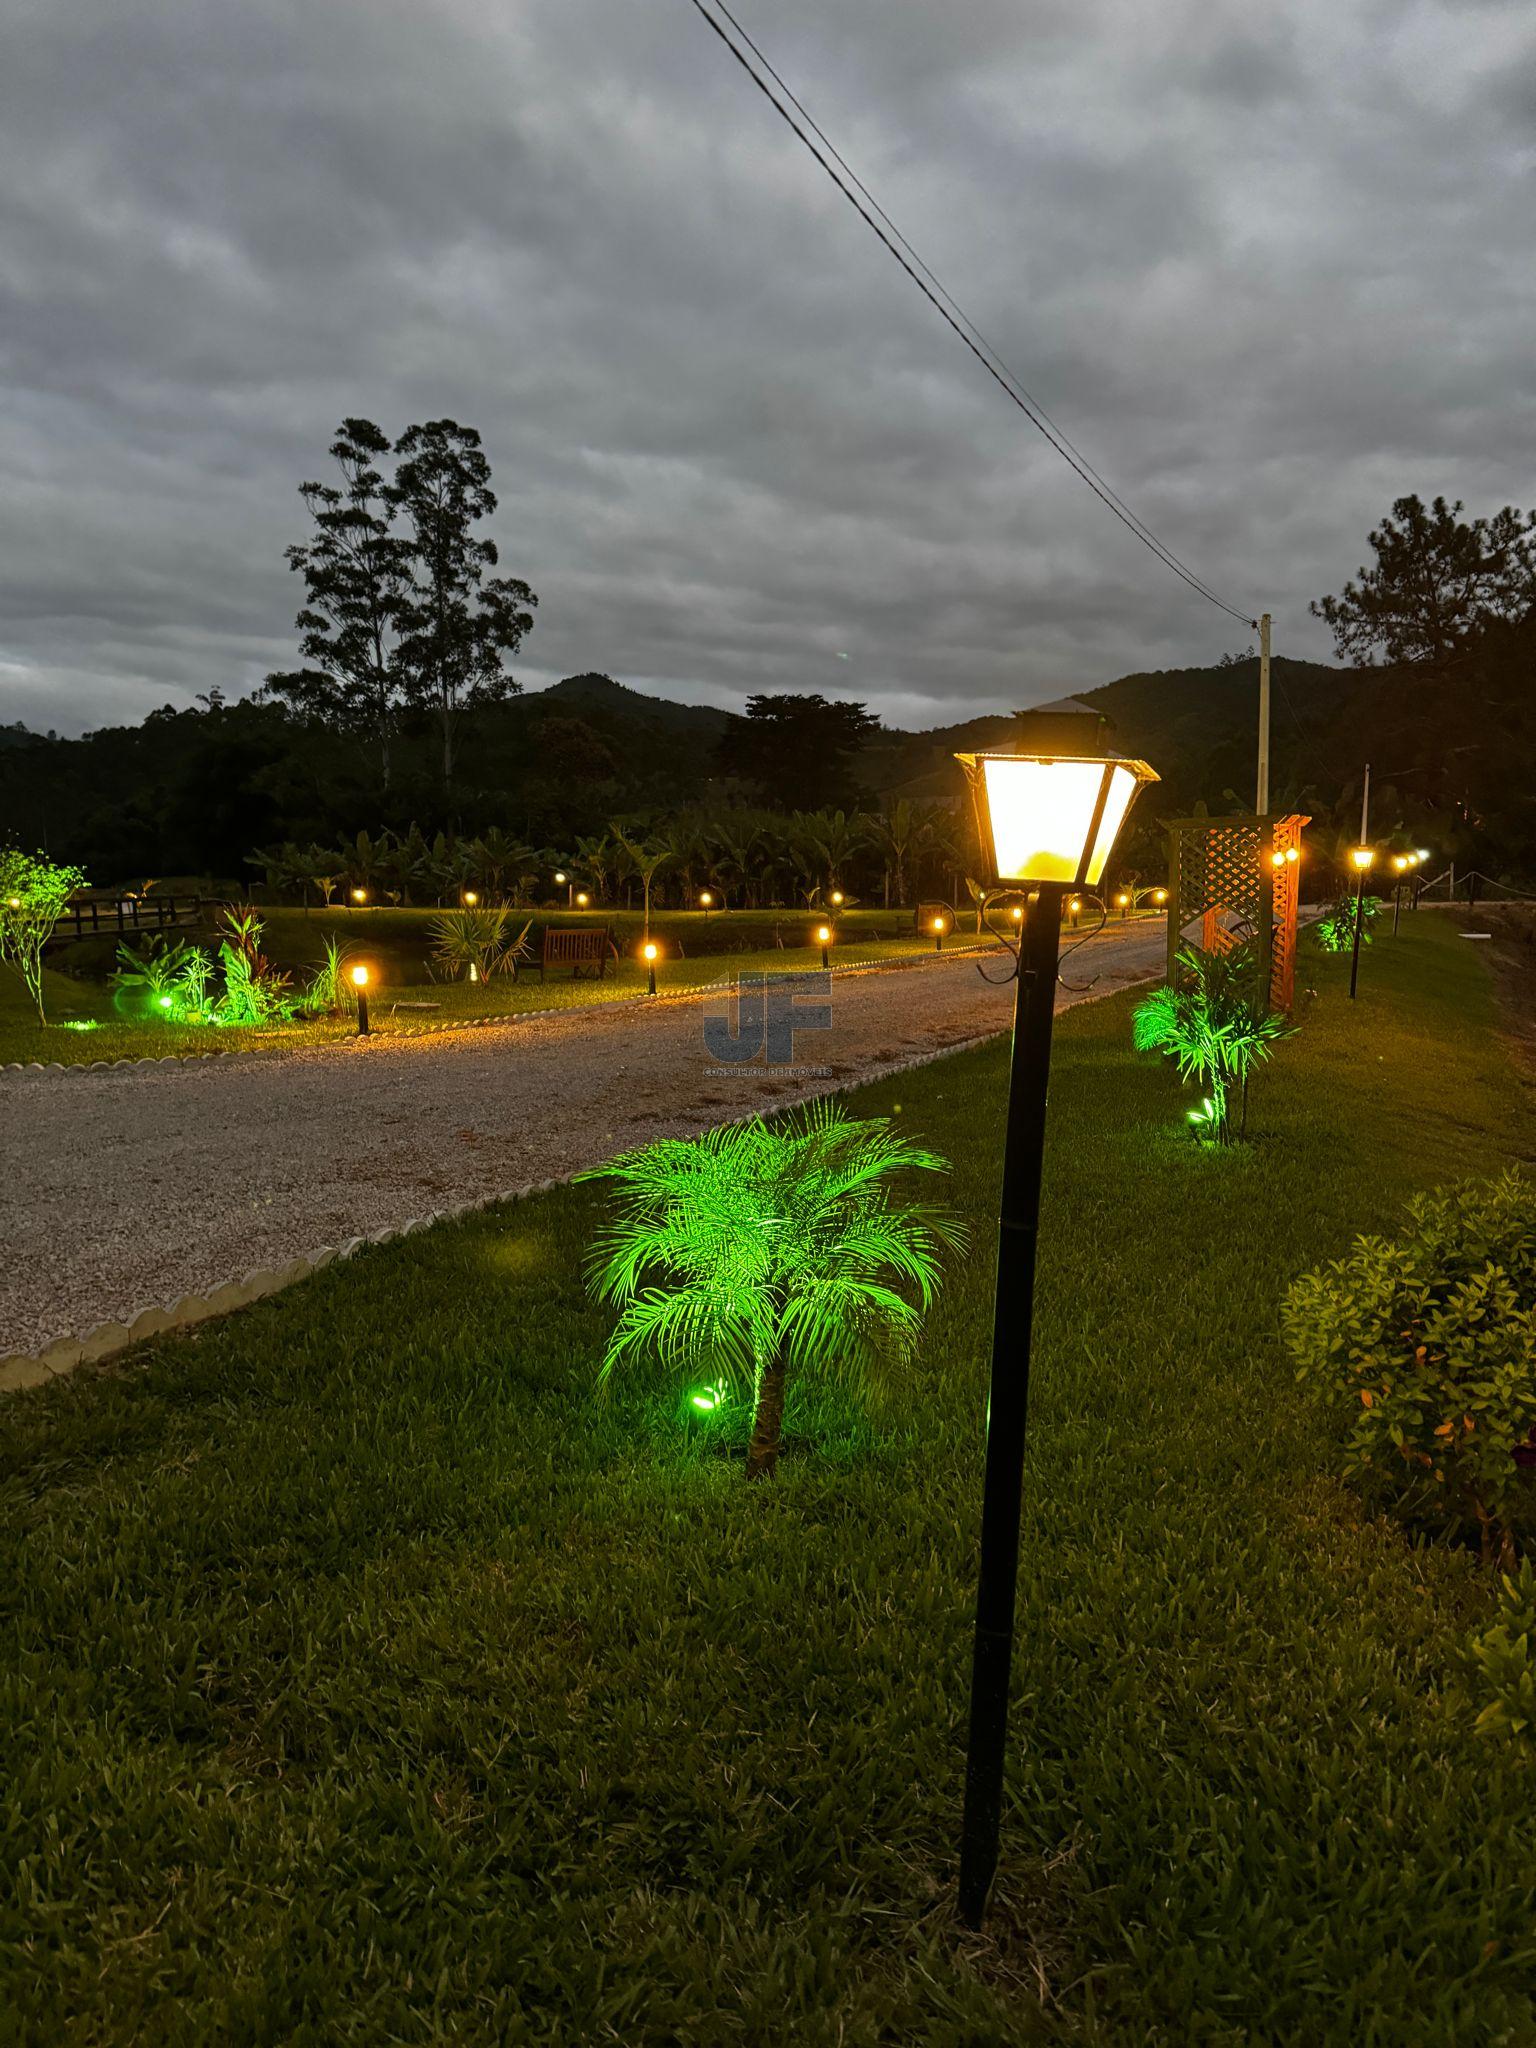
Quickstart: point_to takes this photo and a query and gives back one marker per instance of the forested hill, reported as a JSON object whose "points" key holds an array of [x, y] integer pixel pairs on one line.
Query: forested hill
{"points": [[193, 791]]}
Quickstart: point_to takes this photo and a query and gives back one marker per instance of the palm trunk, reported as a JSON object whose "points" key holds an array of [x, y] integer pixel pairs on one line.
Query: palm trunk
{"points": [[763, 1451]]}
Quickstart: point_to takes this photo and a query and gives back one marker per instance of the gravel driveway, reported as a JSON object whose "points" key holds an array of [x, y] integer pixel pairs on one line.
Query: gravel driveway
{"points": [[128, 1187]]}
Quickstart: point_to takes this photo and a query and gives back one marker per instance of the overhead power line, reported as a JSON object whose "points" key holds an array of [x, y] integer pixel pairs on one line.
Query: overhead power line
{"points": [[874, 216]]}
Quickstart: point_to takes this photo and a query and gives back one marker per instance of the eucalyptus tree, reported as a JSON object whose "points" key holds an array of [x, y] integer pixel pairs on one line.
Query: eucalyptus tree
{"points": [[356, 572], [456, 623]]}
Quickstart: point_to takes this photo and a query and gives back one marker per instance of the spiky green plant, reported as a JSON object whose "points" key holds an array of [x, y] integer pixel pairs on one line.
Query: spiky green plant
{"points": [[324, 993], [1334, 931], [478, 943], [1210, 1026], [254, 992], [760, 1250], [33, 893]]}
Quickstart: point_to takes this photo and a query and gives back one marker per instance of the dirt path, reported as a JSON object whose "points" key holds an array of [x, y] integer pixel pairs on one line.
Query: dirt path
{"points": [[126, 1188]]}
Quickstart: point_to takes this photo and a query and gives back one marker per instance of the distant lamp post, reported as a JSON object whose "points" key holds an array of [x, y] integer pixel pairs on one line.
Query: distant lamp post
{"points": [[824, 940], [1160, 897], [648, 953], [937, 929], [706, 903], [582, 899], [1017, 913], [359, 895], [836, 899], [1362, 857], [1074, 909], [470, 899], [1123, 905], [1047, 823], [563, 881], [1401, 863], [360, 984]]}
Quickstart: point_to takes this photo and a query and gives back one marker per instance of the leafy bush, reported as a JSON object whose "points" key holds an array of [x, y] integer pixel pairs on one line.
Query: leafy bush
{"points": [[254, 993], [1428, 1345], [480, 940], [170, 975], [1334, 931], [759, 1250], [1501, 1664], [1212, 1029], [325, 993]]}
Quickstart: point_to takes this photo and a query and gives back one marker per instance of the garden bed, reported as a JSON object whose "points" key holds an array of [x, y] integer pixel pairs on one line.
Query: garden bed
{"points": [[372, 1679]]}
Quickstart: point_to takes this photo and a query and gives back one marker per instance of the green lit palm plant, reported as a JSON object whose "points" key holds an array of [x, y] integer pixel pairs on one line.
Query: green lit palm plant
{"points": [[1210, 1024], [33, 894], [1426, 1345], [478, 943], [1334, 931], [759, 1252]]}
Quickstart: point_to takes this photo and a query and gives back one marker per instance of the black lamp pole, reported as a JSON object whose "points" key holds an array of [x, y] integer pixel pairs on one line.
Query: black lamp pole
{"points": [[1017, 1237], [1354, 965]]}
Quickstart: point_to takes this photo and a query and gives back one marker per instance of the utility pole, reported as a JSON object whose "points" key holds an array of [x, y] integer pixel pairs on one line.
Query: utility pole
{"points": [[1262, 804], [1365, 808]]}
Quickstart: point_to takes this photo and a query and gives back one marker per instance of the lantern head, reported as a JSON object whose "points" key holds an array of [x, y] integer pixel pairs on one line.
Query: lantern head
{"points": [[1051, 817], [360, 977], [1362, 857]]}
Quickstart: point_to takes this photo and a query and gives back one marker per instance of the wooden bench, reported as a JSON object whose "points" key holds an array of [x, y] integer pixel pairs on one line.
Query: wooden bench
{"points": [[586, 946]]}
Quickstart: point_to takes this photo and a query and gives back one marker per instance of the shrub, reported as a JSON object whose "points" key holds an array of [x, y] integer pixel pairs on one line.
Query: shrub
{"points": [[758, 1250], [1428, 1346], [478, 943], [254, 993], [1501, 1666], [1334, 931], [171, 975], [1214, 1032]]}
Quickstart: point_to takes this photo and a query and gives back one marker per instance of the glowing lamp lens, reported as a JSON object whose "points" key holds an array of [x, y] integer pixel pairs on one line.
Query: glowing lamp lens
{"points": [[650, 952], [360, 977]]}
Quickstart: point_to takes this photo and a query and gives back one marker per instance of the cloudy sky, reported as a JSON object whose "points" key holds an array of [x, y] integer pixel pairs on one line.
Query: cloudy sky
{"points": [[1269, 268]]}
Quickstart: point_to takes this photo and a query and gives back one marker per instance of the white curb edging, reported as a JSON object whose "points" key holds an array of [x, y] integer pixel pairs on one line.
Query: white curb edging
{"points": [[22, 1370]]}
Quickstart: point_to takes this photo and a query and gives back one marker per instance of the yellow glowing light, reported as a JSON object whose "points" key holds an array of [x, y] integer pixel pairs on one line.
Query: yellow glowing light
{"points": [[559, 874], [1018, 913], [1293, 854], [1277, 860], [1159, 895], [1122, 899], [1399, 861], [359, 895], [582, 899], [470, 897], [14, 902], [1053, 818], [706, 899], [1362, 857], [837, 895], [938, 924], [649, 949], [823, 934], [360, 977]]}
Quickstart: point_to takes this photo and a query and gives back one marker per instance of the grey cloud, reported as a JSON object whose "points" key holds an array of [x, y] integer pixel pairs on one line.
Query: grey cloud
{"points": [[1268, 272]]}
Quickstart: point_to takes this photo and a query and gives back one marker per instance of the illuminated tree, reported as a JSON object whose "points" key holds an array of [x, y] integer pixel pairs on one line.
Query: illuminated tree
{"points": [[758, 1251], [33, 893]]}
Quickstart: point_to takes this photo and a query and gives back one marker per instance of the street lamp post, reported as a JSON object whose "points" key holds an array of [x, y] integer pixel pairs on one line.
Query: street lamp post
{"points": [[1362, 858], [1401, 862], [824, 940], [706, 903], [938, 934], [1048, 823], [649, 950]]}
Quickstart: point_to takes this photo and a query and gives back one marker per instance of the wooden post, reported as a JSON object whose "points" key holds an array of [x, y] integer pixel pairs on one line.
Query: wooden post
{"points": [[1262, 803]]}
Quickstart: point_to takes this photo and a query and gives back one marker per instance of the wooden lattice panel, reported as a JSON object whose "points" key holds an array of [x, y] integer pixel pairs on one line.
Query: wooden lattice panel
{"points": [[1231, 880]]}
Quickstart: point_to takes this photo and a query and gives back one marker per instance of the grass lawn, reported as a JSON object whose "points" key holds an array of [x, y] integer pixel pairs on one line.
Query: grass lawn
{"points": [[393, 943], [368, 1679]]}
